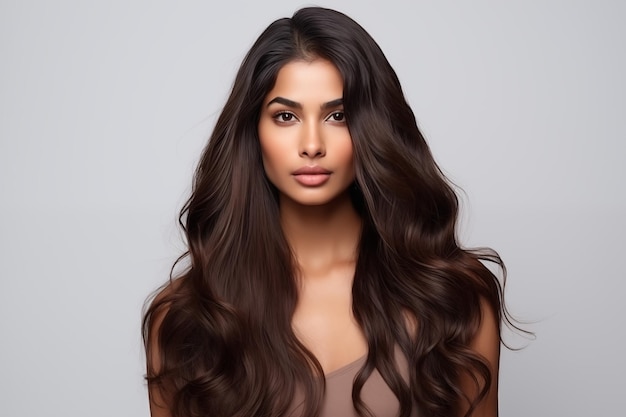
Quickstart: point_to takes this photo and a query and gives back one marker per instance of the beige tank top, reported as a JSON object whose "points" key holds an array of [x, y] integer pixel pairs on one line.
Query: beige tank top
{"points": [[376, 394]]}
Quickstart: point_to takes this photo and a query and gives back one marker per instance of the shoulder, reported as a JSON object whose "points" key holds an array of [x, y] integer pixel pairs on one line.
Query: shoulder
{"points": [[485, 344], [484, 347], [160, 401], [158, 307], [486, 340]]}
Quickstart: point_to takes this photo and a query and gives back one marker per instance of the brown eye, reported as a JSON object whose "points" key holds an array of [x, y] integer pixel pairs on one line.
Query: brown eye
{"points": [[337, 116], [285, 117]]}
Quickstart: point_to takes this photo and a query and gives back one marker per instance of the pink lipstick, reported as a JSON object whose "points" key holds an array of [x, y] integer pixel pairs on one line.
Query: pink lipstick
{"points": [[311, 176]]}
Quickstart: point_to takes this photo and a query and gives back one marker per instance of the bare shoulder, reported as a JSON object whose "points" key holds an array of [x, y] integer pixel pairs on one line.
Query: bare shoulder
{"points": [[157, 311], [486, 342], [154, 316], [486, 345]]}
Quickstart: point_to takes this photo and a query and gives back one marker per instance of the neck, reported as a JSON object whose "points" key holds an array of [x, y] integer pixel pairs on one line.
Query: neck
{"points": [[321, 236]]}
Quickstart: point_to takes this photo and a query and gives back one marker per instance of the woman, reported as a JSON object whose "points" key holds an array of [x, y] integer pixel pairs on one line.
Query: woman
{"points": [[325, 277]]}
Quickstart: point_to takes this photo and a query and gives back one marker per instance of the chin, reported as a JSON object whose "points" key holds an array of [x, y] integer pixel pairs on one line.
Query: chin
{"points": [[317, 200]]}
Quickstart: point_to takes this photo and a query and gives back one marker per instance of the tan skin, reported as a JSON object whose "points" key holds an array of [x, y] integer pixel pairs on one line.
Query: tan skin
{"points": [[318, 220], [325, 251], [305, 127]]}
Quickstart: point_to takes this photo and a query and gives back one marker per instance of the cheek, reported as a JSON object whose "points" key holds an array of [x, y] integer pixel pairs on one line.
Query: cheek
{"points": [[271, 154], [270, 151]]}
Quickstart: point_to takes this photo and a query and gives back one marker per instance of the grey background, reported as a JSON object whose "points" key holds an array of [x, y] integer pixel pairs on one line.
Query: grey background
{"points": [[105, 106]]}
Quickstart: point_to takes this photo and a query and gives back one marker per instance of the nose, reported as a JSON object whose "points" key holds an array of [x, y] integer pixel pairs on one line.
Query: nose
{"points": [[311, 142]]}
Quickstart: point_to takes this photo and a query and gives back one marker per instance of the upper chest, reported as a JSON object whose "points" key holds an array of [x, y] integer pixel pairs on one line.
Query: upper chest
{"points": [[323, 319]]}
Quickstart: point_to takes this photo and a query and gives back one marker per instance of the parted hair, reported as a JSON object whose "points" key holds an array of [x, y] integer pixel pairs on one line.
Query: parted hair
{"points": [[222, 326]]}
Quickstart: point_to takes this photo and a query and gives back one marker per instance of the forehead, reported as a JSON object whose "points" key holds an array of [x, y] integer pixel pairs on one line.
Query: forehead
{"points": [[308, 81]]}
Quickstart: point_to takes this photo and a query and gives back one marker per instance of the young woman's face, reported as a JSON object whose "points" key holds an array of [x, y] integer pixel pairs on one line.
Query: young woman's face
{"points": [[306, 146]]}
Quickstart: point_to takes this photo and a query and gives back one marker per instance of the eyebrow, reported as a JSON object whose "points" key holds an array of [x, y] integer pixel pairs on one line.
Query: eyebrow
{"points": [[294, 104]]}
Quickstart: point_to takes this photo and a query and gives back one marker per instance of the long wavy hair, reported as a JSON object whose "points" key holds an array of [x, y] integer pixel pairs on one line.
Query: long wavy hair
{"points": [[225, 342]]}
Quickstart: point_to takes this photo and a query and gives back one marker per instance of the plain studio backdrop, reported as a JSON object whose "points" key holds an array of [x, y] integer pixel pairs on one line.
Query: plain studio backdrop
{"points": [[106, 105]]}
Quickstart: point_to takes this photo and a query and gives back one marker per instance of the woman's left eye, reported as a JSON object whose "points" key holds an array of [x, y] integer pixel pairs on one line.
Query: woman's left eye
{"points": [[337, 116]]}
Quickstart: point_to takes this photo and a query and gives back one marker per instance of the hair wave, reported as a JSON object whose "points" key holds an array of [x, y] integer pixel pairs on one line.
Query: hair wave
{"points": [[225, 346]]}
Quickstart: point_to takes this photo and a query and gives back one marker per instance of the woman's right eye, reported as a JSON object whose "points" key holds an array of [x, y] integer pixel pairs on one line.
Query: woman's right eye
{"points": [[284, 117]]}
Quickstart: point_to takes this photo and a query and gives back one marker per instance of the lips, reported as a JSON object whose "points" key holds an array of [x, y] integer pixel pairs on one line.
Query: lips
{"points": [[311, 176], [315, 170]]}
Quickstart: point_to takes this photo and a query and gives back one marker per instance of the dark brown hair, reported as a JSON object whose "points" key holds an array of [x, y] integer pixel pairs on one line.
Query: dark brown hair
{"points": [[226, 345]]}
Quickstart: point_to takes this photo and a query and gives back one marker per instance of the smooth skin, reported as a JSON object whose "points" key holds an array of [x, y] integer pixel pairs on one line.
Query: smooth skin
{"points": [[302, 125]]}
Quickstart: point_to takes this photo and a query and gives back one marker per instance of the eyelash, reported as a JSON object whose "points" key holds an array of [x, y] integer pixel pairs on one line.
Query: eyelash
{"points": [[279, 115], [343, 116]]}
